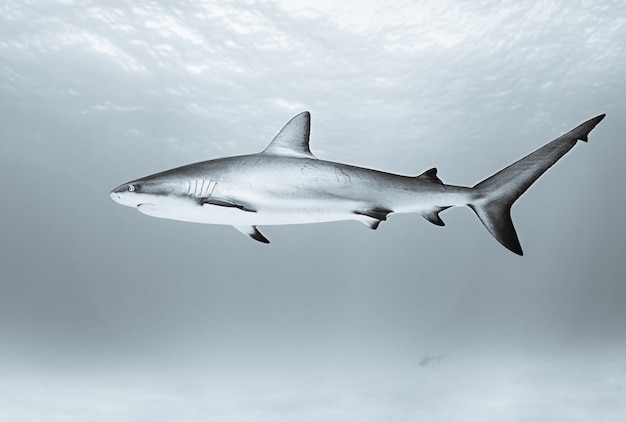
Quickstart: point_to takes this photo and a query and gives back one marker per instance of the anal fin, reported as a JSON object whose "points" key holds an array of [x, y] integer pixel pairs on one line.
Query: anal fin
{"points": [[253, 233], [433, 216]]}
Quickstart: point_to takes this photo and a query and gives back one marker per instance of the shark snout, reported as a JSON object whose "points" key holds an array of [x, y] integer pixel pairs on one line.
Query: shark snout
{"points": [[122, 196], [119, 198], [115, 196]]}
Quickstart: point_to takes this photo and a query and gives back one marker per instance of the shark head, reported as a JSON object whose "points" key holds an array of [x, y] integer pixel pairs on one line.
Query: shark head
{"points": [[178, 194], [150, 194]]}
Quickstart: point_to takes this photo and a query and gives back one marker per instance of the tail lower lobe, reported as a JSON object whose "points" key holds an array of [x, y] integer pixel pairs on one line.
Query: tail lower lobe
{"points": [[493, 197]]}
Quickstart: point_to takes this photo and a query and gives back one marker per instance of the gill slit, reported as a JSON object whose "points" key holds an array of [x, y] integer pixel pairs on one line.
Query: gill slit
{"points": [[200, 188]]}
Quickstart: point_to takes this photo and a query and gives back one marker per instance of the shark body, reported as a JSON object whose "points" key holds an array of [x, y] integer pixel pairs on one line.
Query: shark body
{"points": [[287, 184]]}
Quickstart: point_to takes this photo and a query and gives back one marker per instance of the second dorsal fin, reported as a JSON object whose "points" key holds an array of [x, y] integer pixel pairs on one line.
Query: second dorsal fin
{"points": [[431, 175], [293, 138]]}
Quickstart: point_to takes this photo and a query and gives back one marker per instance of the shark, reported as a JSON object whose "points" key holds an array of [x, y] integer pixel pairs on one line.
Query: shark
{"points": [[286, 184]]}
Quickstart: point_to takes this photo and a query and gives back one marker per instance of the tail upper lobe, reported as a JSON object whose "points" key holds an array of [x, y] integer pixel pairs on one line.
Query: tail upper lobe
{"points": [[493, 197]]}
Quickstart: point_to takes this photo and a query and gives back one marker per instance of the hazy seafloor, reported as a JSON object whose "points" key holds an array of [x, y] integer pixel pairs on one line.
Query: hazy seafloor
{"points": [[552, 386]]}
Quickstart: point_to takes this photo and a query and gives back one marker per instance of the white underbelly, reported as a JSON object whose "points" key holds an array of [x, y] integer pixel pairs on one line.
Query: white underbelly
{"points": [[211, 214]]}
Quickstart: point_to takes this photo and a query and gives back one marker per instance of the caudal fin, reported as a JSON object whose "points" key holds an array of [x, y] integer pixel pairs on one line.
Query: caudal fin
{"points": [[494, 196]]}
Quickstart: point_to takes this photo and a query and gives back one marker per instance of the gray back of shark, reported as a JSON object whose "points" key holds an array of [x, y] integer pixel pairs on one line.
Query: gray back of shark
{"points": [[287, 184]]}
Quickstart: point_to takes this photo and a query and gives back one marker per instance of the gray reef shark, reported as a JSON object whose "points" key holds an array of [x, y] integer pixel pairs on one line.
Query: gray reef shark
{"points": [[287, 184]]}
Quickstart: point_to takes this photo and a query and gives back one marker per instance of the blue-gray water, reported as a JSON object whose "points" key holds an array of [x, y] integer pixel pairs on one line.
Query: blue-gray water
{"points": [[107, 314]]}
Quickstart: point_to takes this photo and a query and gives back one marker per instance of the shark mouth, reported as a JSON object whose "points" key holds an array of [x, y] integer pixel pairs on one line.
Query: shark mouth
{"points": [[148, 209], [145, 205]]}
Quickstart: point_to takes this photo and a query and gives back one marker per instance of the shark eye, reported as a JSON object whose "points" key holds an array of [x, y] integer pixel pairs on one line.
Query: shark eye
{"points": [[131, 188]]}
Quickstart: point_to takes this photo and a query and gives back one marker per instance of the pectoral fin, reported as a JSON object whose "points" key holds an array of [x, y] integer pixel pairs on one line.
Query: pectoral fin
{"points": [[252, 232], [223, 202]]}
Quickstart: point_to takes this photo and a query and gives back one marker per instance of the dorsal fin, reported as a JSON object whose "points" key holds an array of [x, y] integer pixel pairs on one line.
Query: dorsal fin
{"points": [[293, 139], [431, 175]]}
